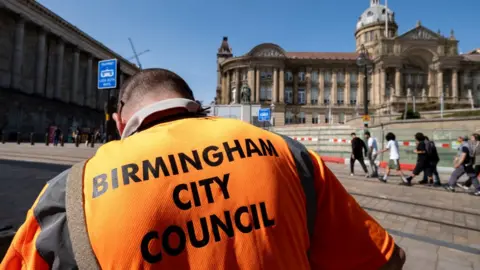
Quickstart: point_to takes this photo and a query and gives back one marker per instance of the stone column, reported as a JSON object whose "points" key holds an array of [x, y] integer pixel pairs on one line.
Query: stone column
{"points": [[16, 75], [309, 87], [281, 83], [74, 96], [361, 88], [398, 82], [321, 86], [251, 84], [228, 96], [40, 70], [346, 93], [439, 82], [455, 84], [59, 69], [431, 83], [295, 88], [333, 97], [237, 86], [257, 85], [382, 86], [275, 86], [89, 88], [224, 88]]}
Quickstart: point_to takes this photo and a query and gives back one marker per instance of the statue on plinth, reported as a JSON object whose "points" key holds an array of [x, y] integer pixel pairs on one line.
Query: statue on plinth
{"points": [[424, 94], [409, 92], [245, 94]]}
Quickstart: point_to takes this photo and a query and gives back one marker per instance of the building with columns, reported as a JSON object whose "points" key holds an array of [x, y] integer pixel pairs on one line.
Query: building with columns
{"points": [[324, 87], [48, 71]]}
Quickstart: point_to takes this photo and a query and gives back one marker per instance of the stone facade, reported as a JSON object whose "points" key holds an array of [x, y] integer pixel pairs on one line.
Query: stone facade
{"points": [[420, 66], [48, 71]]}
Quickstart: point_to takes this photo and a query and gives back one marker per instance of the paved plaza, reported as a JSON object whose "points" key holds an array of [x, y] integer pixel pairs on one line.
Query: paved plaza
{"points": [[437, 229]]}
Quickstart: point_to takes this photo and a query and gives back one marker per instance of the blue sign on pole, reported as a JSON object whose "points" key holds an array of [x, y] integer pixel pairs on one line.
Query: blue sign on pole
{"points": [[107, 74], [264, 115]]}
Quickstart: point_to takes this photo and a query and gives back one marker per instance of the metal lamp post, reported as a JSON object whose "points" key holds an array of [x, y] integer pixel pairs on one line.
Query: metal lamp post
{"points": [[363, 61]]}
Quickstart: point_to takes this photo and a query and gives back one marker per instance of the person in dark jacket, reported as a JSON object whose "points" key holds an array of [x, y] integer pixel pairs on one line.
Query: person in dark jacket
{"points": [[423, 164], [358, 149], [433, 159]]}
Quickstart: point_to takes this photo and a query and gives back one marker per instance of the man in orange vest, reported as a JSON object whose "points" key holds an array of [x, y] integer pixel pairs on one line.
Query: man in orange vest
{"points": [[181, 190]]}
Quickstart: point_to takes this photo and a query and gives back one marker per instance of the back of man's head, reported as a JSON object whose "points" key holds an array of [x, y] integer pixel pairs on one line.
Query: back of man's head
{"points": [[149, 86], [367, 133]]}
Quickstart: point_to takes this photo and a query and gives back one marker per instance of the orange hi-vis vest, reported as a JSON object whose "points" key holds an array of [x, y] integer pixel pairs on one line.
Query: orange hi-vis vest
{"points": [[203, 193]]}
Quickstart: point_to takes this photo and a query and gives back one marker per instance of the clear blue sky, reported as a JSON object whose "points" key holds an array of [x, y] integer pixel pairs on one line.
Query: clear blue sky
{"points": [[184, 35]]}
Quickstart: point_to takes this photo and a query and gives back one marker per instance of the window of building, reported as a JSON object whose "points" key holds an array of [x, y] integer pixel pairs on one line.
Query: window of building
{"points": [[314, 95], [314, 78], [301, 76], [288, 76], [369, 14], [327, 76], [288, 117], [266, 75], [265, 92], [340, 96], [340, 77], [315, 118], [288, 95], [353, 95], [301, 96], [327, 95], [301, 118], [353, 77]]}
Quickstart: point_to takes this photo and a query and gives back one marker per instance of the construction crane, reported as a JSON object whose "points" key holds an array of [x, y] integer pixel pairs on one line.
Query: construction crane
{"points": [[135, 54]]}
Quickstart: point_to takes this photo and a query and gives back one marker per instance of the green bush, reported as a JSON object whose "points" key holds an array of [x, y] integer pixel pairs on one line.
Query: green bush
{"points": [[410, 115]]}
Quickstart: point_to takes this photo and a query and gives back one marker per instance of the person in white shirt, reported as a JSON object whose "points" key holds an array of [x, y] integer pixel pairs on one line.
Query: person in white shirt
{"points": [[394, 162], [372, 153]]}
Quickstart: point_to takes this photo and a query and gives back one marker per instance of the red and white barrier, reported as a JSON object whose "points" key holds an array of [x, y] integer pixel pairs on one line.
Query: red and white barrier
{"points": [[340, 141], [312, 139]]}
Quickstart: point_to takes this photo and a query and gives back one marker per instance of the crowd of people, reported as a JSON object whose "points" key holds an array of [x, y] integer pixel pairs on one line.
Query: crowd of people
{"points": [[466, 162]]}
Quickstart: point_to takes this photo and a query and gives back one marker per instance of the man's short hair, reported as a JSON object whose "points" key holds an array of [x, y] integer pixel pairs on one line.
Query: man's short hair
{"points": [[368, 133], [164, 83], [353, 134]]}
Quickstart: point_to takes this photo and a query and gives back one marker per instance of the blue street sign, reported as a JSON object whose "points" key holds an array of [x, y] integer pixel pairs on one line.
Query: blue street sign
{"points": [[107, 74], [264, 115]]}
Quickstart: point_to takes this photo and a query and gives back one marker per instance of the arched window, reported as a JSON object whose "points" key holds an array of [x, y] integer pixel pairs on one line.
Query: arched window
{"points": [[369, 14]]}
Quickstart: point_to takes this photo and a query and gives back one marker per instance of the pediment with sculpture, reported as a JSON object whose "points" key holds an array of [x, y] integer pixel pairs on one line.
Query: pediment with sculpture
{"points": [[267, 50], [420, 33]]}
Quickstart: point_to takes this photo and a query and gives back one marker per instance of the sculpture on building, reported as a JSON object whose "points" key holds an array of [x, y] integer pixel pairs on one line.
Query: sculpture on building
{"points": [[245, 94], [234, 95], [409, 92]]}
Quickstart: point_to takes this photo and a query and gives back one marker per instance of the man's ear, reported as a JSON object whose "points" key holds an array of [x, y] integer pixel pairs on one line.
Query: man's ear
{"points": [[118, 122]]}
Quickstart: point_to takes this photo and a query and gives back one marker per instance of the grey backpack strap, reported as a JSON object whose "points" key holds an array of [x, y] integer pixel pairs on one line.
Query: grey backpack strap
{"points": [[82, 249], [305, 170]]}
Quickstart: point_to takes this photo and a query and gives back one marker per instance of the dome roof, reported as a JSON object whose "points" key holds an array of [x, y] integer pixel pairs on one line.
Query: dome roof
{"points": [[376, 13]]}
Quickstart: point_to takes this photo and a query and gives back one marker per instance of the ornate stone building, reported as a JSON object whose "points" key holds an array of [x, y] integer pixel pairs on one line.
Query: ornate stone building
{"points": [[48, 71], [322, 87]]}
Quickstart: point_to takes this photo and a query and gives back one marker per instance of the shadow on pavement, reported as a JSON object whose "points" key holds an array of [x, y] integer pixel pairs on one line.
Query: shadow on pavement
{"points": [[20, 184]]}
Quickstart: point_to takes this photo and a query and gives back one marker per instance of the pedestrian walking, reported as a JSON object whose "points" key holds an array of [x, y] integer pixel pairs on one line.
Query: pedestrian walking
{"points": [[372, 153], [432, 158], [182, 190], [358, 150], [476, 163], [463, 164], [422, 161], [57, 136], [394, 161]]}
